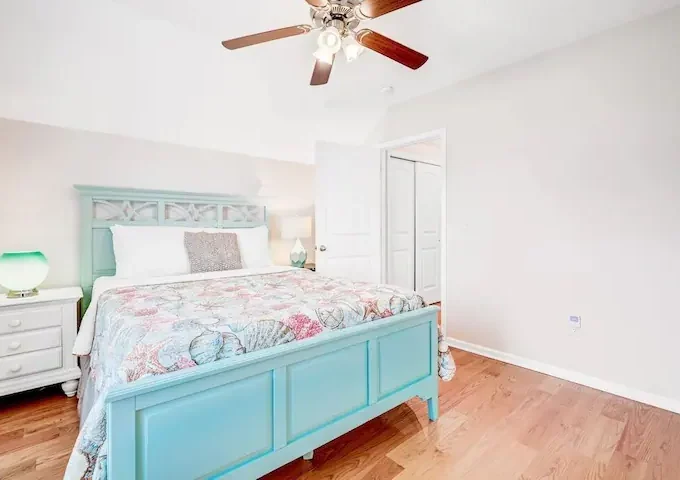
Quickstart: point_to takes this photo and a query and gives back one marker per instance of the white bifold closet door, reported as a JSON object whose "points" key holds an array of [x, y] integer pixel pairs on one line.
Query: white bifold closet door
{"points": [[401, 224], [414, 191], [428, 231]]}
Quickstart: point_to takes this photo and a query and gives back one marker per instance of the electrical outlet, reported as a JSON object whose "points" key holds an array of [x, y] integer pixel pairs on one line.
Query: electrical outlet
{"points": [[575, 321]]}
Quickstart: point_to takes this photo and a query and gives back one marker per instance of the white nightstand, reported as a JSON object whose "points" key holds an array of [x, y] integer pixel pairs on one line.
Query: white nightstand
{"points": [[36, 339]]}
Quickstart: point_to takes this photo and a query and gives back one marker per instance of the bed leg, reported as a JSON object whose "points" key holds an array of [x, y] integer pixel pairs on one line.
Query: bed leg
{"points": [[70, 387], [308, 455], [433, 408]]}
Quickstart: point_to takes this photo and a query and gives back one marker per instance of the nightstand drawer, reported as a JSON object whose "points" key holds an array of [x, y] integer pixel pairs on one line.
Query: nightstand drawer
{"points": [[29, 363], [30, 341], [30, 319]]}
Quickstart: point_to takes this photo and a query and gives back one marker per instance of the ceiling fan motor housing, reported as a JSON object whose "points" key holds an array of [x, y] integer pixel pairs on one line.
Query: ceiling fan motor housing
{"points": [[341, 14]]}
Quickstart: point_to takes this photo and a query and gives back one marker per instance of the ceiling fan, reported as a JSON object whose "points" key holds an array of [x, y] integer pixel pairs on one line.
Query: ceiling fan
{"points": [[337, 20]]}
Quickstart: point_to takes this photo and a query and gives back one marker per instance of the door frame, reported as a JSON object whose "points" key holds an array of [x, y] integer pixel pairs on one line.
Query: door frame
{"points": [[384, 152]]}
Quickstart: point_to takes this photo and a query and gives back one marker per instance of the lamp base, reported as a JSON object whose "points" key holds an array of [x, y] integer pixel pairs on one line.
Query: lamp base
{"points": [[22, 293], [298, 255]]}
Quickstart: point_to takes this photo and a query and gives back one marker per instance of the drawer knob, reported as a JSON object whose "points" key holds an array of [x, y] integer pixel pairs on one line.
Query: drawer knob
{"points": [[14, 345], [15, 323], [15, 368]]}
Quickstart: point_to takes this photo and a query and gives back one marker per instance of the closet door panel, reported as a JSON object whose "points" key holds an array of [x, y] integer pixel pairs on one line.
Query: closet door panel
{"points": [[401, 223], [428, 231]]}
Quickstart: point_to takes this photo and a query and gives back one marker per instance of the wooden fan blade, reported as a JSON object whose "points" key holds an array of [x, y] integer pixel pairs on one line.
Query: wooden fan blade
{"points": [[318, 3], [263, 37], [322, 72], [377, 8], [391, 49]]}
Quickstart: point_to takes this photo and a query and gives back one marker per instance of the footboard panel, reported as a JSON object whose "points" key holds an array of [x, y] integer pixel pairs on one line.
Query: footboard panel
{"points": [[220, 427], [325, 388], [404, 358], [246, 416]]}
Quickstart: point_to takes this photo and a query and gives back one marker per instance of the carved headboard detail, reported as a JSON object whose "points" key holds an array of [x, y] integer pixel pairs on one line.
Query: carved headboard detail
{"points": [[102, 207]]}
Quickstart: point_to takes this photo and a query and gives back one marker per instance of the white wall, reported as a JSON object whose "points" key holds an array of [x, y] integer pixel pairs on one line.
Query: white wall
{"points": [[121, 68], [564, 199], [40, 164], [426, 151]]}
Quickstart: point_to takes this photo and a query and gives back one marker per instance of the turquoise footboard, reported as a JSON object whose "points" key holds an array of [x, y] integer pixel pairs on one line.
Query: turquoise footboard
{"points": [[244, 417]]}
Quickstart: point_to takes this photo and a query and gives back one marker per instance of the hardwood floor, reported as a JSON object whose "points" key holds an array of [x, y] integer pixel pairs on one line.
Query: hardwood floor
{"points": [[497, 421], [37, 432]]}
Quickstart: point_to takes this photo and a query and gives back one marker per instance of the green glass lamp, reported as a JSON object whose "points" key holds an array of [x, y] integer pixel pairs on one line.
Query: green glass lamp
{"points": [[22, 272]]}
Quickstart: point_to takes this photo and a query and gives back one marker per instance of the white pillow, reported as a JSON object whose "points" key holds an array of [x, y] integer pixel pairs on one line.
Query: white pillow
{"points": [[254, 246], [156, 251], [149, 251]]}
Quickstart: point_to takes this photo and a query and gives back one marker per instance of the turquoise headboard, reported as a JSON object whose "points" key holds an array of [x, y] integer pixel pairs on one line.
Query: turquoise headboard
{"points": [[102, 207]]}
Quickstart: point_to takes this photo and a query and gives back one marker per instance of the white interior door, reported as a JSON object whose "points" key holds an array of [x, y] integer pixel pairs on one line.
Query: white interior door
{"points": [[348, 224], [401, 222], [428, 231]]}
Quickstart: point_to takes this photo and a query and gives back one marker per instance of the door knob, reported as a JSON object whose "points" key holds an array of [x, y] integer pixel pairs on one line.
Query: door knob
{"points": [[322, 248]]}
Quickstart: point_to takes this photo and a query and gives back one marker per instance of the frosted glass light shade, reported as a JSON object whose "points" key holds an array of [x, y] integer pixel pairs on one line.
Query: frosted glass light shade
{"points": [[296, 227], [330, 39], [22, 272], [352, 49]]}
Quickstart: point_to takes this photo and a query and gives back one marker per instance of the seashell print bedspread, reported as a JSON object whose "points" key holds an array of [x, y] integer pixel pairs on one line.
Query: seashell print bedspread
{"points": [[154, 329]]}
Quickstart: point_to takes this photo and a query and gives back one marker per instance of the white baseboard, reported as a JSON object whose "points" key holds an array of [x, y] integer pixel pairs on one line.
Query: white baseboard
{"points": [[570, 375]]}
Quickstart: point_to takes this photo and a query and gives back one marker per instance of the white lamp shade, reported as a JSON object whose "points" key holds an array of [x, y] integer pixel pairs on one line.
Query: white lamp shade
{"points": [[20, 271], [296, 227]]}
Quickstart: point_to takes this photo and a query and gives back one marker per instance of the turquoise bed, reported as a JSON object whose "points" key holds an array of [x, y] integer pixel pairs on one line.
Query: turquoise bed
{"points": [[245, 416]]}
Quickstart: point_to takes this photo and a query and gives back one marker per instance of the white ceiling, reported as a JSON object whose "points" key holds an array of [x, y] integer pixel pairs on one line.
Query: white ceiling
{"points": [[155, 69]]}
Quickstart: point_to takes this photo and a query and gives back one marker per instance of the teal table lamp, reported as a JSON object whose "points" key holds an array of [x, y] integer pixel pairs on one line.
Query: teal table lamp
{"points": [[296, 228], [22, 272]]}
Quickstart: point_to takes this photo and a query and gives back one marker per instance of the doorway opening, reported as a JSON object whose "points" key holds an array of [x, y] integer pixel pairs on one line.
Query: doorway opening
{"points": [[414, 216]]}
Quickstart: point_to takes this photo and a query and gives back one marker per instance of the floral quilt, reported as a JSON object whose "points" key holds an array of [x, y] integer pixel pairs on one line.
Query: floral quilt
{"points": [[154, 329]]}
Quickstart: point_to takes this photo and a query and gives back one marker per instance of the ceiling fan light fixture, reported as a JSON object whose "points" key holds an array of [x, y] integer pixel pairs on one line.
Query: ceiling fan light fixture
{"points": [[352, 49], [331, 40], [336, 23], [324, 55]]}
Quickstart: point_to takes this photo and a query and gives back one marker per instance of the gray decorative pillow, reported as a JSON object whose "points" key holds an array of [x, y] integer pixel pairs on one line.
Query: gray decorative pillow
{"points": [[212, 252]]}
